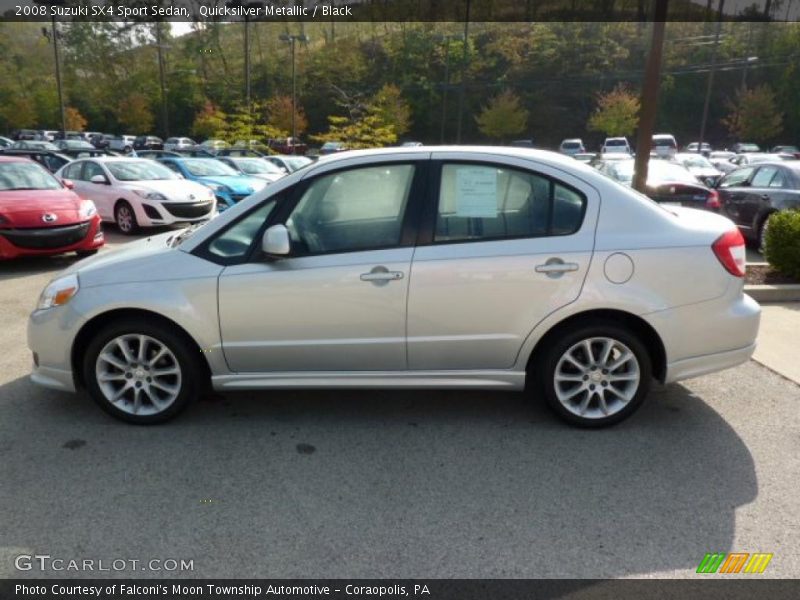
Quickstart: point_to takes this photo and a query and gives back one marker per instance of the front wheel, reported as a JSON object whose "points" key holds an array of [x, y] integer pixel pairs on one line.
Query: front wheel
{"points": [[596, 375], [141, 372], [762, 234], [125, 218]]}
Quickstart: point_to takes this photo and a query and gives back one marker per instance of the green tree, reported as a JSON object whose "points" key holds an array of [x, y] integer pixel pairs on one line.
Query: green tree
{"points": [[391, 108], [368, 131], [133, 112], [502, 117], [617, 112], [754, 115]]}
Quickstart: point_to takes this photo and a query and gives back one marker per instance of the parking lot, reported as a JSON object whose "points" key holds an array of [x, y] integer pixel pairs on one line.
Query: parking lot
{"points": [[394, 484]]}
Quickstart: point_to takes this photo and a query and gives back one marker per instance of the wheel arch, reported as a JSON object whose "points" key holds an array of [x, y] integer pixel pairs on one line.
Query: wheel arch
{"points": [[96, 324], [638, 326]]}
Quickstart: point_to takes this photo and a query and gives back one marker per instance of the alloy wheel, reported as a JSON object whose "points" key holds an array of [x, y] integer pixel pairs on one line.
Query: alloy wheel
{"points": [[124, 219], [597, 377], [138, 374]]}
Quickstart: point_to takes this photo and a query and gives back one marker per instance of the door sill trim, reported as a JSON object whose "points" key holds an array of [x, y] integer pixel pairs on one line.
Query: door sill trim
{"points": [[499, 379]]}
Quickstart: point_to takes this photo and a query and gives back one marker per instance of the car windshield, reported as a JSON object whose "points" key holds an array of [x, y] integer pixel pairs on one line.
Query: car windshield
{"points": [[25, 176], [748, 148], [255, 166], [615, 143], [664, 142], [132, 170], [331, 145], [205, 167], [698, 162], [571, 145]]}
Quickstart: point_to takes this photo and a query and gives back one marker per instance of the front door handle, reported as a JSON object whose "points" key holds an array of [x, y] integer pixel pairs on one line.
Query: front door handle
{"points": [[556, 266], [381, 275]]}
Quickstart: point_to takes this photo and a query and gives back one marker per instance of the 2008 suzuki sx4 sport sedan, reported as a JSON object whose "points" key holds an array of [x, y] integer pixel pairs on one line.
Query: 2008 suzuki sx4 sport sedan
{"points": [[470, 268]]}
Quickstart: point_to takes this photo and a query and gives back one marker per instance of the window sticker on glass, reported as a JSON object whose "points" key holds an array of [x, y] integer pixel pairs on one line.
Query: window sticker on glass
{"points": [[476, 192]]}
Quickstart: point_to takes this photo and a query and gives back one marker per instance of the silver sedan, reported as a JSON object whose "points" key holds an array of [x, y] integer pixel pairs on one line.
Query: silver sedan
{"points": [[491, 268]]}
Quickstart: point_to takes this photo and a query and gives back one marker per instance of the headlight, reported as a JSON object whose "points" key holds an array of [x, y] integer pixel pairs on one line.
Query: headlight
{"points": [[58, 292], [150, 195], [88, 209]]}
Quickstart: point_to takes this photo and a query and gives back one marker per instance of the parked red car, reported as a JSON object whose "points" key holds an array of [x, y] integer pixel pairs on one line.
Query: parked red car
{"points": [[40, 215]]}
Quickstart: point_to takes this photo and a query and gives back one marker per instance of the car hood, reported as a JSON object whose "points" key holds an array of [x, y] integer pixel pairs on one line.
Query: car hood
{"points": [[240, 184], [25, 208], [147, 260], [174, 189]]}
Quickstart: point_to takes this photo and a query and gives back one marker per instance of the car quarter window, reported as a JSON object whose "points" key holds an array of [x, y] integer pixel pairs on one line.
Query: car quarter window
{"points": [[764, 176], [778, 181], [358, 209], [488, 202]]}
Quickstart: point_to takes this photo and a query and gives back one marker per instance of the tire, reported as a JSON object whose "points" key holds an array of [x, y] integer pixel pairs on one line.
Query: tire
{"points": [[590, 396], [125, 218], [85, 253], [142, 392]]}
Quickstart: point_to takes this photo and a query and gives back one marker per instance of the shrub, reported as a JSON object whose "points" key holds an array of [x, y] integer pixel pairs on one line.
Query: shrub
{"points": [[782, 242]]}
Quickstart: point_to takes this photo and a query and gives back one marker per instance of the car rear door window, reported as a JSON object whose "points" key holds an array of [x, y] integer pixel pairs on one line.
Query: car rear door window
{"points": [[486, 202], [764, 176]]}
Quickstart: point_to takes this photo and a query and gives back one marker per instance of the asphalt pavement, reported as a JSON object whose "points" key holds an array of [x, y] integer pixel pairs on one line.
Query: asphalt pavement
{"points": [[417, 484]]}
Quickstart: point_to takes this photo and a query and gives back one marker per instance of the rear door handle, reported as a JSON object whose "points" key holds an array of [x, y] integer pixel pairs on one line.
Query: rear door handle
{"points": [[556, 267]]}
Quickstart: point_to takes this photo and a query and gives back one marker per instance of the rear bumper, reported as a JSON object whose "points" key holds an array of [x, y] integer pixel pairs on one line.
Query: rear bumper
{"points": [[709, 363], [711, 336]]}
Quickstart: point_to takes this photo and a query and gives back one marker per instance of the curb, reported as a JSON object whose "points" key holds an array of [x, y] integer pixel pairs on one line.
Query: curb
{"points": [[774, 293]]}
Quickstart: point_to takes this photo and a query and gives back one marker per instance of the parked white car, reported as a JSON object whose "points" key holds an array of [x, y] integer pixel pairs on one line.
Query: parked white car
{"points": [[572, 146], [254, 167], [614, 145], [179, 143], [664, 145], [122, 143], [136, 192], [448, 267], [289, 163]]}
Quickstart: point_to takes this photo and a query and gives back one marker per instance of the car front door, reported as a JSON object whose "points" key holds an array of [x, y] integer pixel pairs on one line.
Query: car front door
{"points": [[338, 301], [503, 246]]}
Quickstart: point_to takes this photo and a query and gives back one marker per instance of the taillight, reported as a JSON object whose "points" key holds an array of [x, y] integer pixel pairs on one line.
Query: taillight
{"points": [[729, 250], [712, 201]]}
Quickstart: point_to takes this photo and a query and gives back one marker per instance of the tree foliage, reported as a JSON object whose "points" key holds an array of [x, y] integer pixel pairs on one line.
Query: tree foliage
{"points": [[617, 112], [279, 115], [209, 122], [75, 121], [134, 113], [754, 115], [502, 117], [392, 109]]}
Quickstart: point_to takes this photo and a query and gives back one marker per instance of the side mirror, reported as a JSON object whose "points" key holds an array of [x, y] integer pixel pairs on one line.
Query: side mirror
{"points": [[68, 183], [276, 241], [99, 179]]}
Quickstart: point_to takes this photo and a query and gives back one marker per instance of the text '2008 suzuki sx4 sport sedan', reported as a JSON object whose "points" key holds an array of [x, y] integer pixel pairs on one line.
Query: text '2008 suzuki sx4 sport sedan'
{"points": [[470, 268]]}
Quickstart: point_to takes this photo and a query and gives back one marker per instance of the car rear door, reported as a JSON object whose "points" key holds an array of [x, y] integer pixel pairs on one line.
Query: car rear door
{"points": [[503, 245], [756, 199]]}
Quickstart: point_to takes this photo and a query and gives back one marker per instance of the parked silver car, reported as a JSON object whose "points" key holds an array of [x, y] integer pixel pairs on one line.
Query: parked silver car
{"points": [[492, 268]]}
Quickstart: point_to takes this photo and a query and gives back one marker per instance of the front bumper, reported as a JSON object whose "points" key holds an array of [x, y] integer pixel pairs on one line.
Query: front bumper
{"points": [[151, 213], [50, 340], [47, 241]]}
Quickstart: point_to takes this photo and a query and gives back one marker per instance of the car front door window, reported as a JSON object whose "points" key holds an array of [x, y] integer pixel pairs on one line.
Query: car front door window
{"points": [[359, 209]]}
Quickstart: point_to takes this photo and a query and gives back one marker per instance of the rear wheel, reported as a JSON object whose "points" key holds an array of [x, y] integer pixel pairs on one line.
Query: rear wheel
{"points": [[141, 372], [125, 218], [596, 375]]}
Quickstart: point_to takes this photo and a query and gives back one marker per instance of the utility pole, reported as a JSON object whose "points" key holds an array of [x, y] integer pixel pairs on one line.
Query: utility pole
{"points": [[647, 116], [293, 39], [162, 77], [55, 35], [446, 39], [465, 60], [710, 81]]}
